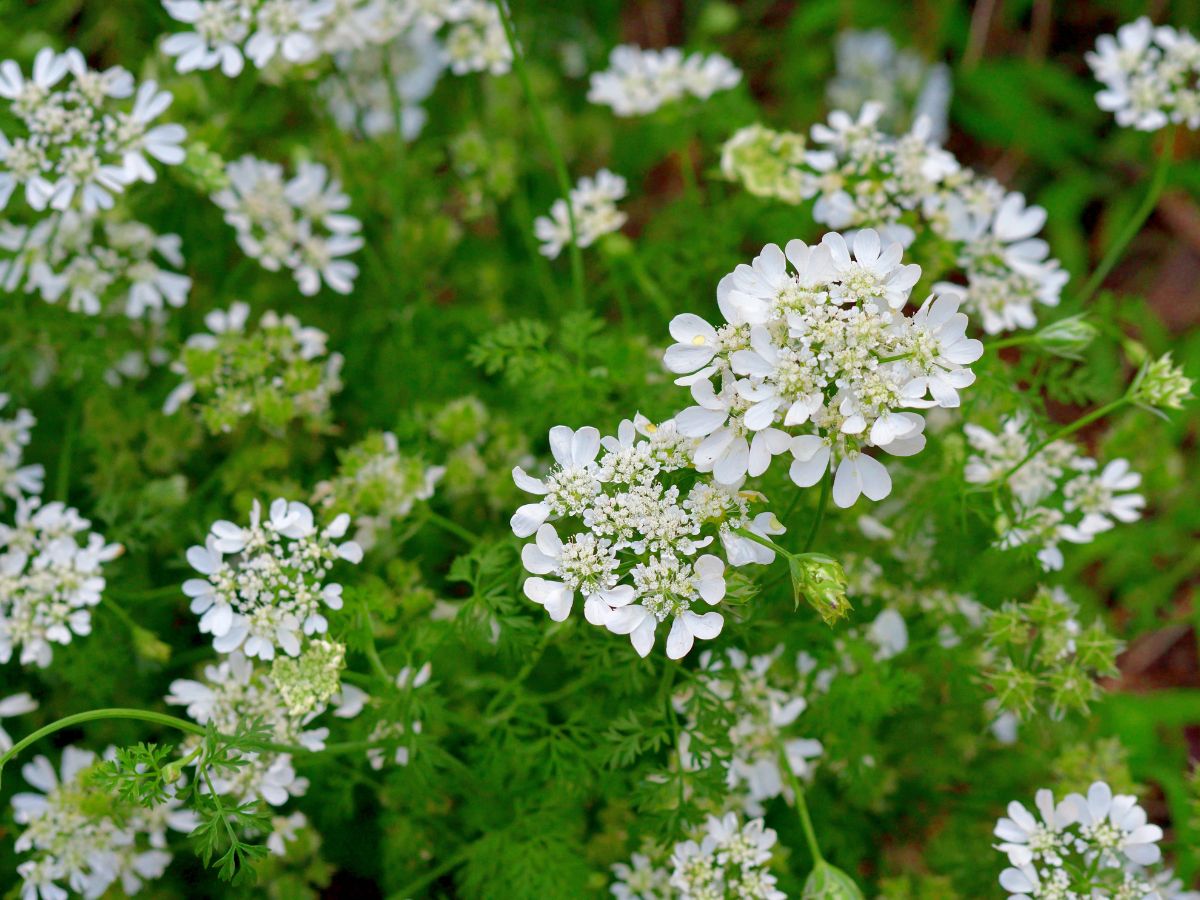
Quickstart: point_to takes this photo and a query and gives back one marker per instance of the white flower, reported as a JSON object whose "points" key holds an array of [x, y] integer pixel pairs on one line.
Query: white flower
{"points": [[817, 359], [360, 97], [1116, 826], [475, 40], [568, 488], [264, 585], [17, 480], [730, 861], [48, 582], [638, 82], [299, 224], [863, 177], [627, 539], [97, 265], [78, 144], [640, 879], [593, 202], [233, 691], [1057, 493], [1149, 75], [87, 839], [1027, 840]]}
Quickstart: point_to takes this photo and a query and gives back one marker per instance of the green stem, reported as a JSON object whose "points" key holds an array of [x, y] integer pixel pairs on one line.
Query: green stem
{"points": [[822, 505], [765, 541], [1015, 341], [451, 526], [556, 156], [1135, 222], [810, 834], [143, 715], [1066, 431]]}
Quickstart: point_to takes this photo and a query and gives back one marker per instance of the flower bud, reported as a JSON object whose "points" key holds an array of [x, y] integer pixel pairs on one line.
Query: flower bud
{"points": [[827, 882], [147, 646], [1067, 337], [821, 581], [172, 772], [1162, 385]]}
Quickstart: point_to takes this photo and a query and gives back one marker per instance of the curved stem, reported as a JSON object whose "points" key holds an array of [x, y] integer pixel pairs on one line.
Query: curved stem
{"points": [[822, 505], [810, 834], [450, 526], [143, 715], [1135, 222], [556, 157], [1065, 431]]}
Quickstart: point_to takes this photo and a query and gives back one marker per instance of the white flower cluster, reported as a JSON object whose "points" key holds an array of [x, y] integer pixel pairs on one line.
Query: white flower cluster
{"points": [[234, 691], [820, 361], [78, 144], [1058, 494], [870, 67], [48, 582], [264, 585], [763, 710], [634, 528], [1094, 846], [17, 480], [87, 840], [594, 206], [376, 83], [1151, 76], [279, 370], [377, 486], [726, 861], [228, 32], [114, 270], [637, 82], [298, 224], [862, 177]]}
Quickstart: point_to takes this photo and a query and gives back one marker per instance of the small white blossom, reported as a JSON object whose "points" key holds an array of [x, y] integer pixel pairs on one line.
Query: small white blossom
{"points": [[1149, 75], [85, 840], [594, 205], [78, 143], [233, 691], [48, 582], [94, 266], [17, 480], [730, 860], [1058, 494], [265, 585], [637, 82], [817, 359], [627, 541], [299, 224]]}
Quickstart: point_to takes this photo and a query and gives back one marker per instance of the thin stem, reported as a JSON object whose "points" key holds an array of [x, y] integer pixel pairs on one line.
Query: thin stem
{"points": [[810, 834], [1135, 222], [765, 541], [371, 650], [450, 526], [556, 156], [1015, 341], [822, 505], [143, 715], [1065, 431]]}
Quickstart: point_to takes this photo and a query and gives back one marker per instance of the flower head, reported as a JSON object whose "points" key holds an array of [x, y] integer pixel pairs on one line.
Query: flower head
{"points": [[265, 584], [79, 142]]}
